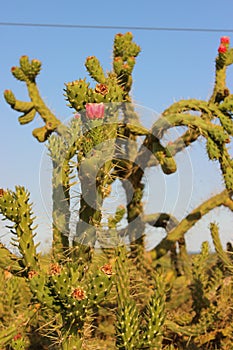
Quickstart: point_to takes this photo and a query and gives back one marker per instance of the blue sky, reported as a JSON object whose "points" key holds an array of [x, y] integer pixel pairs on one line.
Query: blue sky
{"points": [[173, 65]]}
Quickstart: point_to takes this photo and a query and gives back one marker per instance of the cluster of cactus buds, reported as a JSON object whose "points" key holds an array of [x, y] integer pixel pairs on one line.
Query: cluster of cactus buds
{"points": [[224, 44]]}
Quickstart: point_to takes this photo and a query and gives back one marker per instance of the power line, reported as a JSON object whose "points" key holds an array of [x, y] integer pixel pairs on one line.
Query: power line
{"points": [[89, 26]]}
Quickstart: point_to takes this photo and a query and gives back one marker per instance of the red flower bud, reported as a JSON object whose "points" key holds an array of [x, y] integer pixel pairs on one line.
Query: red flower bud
{"points": [[222, 48], [225, 40], [94, 111], [17, 336]]}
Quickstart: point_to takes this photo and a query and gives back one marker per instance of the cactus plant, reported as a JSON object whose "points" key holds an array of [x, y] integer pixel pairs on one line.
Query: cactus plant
{"points": [[98, 147]]}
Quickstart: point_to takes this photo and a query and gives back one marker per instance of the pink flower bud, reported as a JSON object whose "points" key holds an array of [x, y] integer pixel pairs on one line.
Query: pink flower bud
{"points": [[222, 48], [225, 40], [94, 111]]}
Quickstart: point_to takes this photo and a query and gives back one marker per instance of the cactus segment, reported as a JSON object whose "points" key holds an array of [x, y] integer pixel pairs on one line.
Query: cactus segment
{"points": [[95, 70], [15, 207]]}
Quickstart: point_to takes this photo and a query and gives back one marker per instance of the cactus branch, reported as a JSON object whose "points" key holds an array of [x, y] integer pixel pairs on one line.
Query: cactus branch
{"points": [[218, 247], [27, 72], [15, 207], [178, 232]]}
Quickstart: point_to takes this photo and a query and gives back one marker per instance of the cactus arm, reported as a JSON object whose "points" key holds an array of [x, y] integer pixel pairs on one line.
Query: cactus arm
{"points": [[163, 220], [40, 106], [60, 198], [226, 165], [124, 53], [15, 207], [184, 258], [17, 105], [95, 70], [155, 316], [127, 325], [153, 144], [178, 232], [207, 109], [178, 119], [62, 149], [27, 72], [218, 247], [61, 214], [214, 133], [220, 89]]}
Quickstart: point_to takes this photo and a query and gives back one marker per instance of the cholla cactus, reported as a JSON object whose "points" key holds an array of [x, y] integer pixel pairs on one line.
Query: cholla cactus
{"points": [[98, 147]]}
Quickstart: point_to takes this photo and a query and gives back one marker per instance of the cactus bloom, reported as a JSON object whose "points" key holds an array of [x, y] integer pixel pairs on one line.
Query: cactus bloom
{"points": [[222, 48], [225, 40], [78, 294], [101, 89], [94, 111], [55, 269], [107, 269]]}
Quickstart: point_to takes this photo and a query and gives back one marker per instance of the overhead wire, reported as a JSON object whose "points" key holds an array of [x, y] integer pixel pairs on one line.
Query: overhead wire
{"points": [[90, 26]]}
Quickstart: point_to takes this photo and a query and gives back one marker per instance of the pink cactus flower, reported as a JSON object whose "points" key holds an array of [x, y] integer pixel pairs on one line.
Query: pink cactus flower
{"points": [[95, 111], [222, 48], [225, 40]]}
